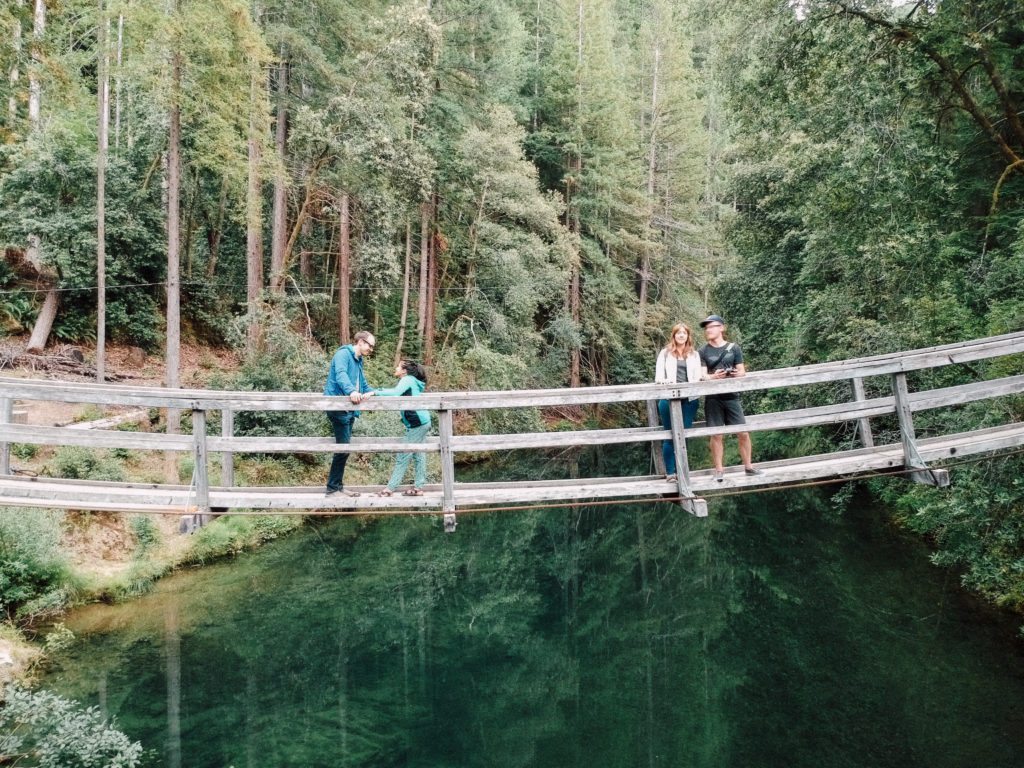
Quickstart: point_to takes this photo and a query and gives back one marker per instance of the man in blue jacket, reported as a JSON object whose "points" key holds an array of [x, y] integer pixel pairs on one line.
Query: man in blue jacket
{"points": [[345, 379]]}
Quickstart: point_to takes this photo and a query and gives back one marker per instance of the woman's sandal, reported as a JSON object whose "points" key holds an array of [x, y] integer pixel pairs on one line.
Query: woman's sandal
{"points": [[385, 492], [413, 492]]}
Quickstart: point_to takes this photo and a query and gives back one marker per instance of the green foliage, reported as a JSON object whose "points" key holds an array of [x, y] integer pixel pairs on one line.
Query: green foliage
{"points": [[34, 572], [147, 535], [77, 463], [49, 731], [233, 534]]}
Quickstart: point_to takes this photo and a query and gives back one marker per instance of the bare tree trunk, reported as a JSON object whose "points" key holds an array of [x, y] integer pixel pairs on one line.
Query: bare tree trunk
{"points": [[173, 353], [279, 233], [421, 305], [305, 262], [645, 262], [103, 119], [214, 236], [432, 279], [344, 271], [15, 75], [117, 82], [46, 316], [405, 292], [44, 321], [253, 219]]}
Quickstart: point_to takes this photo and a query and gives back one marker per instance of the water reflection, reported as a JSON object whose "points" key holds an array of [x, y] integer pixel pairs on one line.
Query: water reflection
{"points": [[765, 635]]}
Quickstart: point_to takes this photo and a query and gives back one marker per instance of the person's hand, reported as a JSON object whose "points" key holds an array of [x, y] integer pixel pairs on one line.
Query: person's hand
{"points": [[368, 395], [719, 375], [355, 397]]}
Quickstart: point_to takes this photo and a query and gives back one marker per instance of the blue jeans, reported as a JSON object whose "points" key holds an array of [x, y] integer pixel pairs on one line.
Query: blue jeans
{"points": [[689, 411], [341, 422], [412, 435]]}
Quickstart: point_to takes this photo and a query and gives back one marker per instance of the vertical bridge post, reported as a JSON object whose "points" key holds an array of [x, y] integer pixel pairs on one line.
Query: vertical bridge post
{"points": [[227, 458], [201, 470], [863, 425], [693, 505], [6, 411], [653, 420], [445, 432], [911, 457]]}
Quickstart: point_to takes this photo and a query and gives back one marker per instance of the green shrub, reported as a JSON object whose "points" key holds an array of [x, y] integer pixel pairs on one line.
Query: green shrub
{"points": [[46, 730], [77, 463], [33, 570], [147, 535], [25, 451]]}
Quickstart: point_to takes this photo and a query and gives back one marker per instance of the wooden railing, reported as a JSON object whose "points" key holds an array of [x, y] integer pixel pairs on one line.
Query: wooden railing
{"points": [[205, 404]]}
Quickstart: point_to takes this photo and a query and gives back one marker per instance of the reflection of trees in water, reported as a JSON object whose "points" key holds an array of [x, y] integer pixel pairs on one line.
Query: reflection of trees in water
{"points": [[637, 634]]}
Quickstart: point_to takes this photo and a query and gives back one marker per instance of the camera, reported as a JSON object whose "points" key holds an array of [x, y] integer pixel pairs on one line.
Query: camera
{"points": [[729, 371]]}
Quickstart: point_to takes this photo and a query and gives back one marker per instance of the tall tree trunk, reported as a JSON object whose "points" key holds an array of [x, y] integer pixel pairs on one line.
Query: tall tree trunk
{"points": [[46, 316], [421, 304], [117, 82], [279, 232], [173, 353], [344, 271], [254, 213], [15, 75], [305, 262], [652, 161], [403, 319], [432, 279], [214, 234], [103, 120]]}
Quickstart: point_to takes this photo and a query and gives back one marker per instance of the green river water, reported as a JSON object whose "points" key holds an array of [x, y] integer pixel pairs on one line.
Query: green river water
{"points": [[773, 633]]}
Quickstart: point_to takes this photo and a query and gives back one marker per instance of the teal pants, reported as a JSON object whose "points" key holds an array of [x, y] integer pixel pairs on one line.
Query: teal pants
{"points": [[412, 435]]}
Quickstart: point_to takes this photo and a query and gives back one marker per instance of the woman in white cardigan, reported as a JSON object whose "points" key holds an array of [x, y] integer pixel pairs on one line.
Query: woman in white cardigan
{"points": [[678, 362]]}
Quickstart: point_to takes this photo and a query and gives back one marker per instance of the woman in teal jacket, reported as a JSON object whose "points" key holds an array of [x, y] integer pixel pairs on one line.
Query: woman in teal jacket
{"points": [[412, 381]]}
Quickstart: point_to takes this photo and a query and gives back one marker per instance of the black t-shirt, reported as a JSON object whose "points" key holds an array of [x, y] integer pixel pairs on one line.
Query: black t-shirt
{"points": [[727, 356]]}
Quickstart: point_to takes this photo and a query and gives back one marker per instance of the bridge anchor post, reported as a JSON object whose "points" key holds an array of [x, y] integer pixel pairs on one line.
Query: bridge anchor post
{"points": [[695, 506], [445, 432], [912, 460]]}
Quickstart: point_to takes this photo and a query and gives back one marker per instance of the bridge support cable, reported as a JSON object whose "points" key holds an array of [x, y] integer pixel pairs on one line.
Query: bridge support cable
{"points": [[445, 432], [692, 504], [911, 455], [6, 411], [863, 424]]}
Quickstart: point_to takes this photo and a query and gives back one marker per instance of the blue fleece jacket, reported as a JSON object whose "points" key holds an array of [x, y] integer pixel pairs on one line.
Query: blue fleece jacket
{"points": [[346, 374], [408, 386]]}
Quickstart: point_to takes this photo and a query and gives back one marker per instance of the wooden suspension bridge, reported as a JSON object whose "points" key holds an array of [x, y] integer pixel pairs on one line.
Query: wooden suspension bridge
{"points": [[887, 374]]}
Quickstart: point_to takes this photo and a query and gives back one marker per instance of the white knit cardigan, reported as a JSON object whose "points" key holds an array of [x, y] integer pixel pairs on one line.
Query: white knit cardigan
{"points": [[665, 372]]}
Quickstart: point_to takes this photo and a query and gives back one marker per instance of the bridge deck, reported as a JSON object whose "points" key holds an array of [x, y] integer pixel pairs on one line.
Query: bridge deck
{"points": [[890, 377], [127, 497]]}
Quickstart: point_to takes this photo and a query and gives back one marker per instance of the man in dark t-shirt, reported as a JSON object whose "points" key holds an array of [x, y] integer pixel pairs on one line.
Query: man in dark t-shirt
{"points": [[723, 359]]}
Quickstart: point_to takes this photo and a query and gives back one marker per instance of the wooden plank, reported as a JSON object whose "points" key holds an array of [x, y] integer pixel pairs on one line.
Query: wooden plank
{"points": [[654, 422], [227, 458], [863, 423], [6, 411], [39, 435], [445, 430], [523, 440], [696, 507], [18, 491], [911, 457], [201, 467], [265, 444], [821, 373], [137, 415], [966, 393]]}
